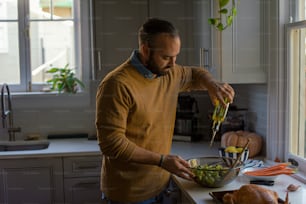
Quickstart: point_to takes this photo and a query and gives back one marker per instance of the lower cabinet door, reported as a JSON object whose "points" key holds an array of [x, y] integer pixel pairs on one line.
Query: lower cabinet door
{"points": [[82, 190], [31, 181]]}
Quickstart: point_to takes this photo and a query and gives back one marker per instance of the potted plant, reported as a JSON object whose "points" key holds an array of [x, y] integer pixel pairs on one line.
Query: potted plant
{"points": [[64, 80]]}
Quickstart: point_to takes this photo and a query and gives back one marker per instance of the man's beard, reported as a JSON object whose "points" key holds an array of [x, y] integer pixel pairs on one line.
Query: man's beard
{"points": [[153, 67]]}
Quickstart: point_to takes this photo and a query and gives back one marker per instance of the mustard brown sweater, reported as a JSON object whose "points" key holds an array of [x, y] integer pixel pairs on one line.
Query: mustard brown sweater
{"points": [[133, 110]]}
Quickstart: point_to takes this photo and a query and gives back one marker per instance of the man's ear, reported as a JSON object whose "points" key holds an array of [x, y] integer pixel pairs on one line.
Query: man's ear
{"points": [[145, 51]]}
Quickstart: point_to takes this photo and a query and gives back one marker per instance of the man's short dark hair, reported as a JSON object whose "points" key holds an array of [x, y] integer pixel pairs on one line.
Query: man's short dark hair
{"points": [[153, 27]]}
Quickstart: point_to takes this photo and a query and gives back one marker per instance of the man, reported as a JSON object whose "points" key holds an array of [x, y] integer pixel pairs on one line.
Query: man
{"points": [[136, 107]]}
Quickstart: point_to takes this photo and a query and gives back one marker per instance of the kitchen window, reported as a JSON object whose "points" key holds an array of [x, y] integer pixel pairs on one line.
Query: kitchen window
{"points": [[286, 84], [296, 85], [36, 35]]}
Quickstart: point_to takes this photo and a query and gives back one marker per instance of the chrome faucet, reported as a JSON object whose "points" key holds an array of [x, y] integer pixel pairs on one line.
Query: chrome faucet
{"points": [[7, 113]]}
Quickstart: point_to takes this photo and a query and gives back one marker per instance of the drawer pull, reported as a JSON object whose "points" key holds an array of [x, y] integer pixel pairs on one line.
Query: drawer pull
{"points": [[88, 167], [88, 184]]}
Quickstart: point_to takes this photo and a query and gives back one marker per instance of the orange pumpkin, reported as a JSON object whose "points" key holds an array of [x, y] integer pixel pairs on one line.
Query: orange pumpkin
{"points": [[240, 138]]}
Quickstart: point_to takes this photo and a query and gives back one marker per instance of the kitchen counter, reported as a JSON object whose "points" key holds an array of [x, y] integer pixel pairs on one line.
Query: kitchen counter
{"points": [[197, 194], [83, 146], [192, 191], [58, 147]]}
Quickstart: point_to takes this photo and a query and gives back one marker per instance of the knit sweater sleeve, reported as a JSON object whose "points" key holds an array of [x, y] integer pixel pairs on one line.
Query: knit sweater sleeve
{"points": [[195, 78], [112, 107]]}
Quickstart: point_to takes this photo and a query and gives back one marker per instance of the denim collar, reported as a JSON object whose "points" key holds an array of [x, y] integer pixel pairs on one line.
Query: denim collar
{"points": [[135, 61]]}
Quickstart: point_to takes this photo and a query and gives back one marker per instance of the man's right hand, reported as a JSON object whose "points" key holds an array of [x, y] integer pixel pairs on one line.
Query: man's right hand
{"points": [[178, 166]]}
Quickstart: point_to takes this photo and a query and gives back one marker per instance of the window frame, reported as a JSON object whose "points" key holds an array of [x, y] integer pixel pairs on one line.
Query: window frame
{"points": [[290, 126], [277, 139], [38, 99], [82, 39]]}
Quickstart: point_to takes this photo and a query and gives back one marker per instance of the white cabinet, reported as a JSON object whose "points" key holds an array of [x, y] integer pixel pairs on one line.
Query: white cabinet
{"points": [[31, 181], [242, 46], [82, 179]]}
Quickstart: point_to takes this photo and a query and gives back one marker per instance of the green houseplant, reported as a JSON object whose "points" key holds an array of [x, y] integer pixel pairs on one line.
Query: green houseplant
{"points": [[223, 17], [64, 80], [226, 13]]}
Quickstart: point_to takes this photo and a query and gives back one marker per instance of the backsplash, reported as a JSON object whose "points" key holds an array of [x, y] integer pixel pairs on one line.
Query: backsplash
{"points": [[69, 120], [254, 98]]}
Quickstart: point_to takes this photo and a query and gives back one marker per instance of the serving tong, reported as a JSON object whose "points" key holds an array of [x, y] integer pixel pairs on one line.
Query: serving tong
{"points": [[240, 155], [234, 165]]}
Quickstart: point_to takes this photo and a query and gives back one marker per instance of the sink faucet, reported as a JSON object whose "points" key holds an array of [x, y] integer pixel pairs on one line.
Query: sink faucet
{"points": [[7, 113]]}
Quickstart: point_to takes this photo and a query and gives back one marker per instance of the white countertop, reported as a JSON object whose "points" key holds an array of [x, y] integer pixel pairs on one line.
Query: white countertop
{"points": [[58, 147], [194, 192], [83, 146], [200, 195]]}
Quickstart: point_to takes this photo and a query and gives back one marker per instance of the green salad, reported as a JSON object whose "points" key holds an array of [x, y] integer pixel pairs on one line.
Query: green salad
{"points": [[212, 172], [209, 174]]}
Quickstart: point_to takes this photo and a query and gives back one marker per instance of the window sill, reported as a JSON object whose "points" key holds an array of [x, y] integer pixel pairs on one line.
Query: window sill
{"points": [[43, 93]]}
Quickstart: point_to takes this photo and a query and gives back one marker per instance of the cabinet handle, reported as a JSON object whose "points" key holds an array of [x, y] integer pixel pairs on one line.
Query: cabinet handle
{"points": [[98, 62], [88, 167], [201, 57], [99, 53], [206, 58]]}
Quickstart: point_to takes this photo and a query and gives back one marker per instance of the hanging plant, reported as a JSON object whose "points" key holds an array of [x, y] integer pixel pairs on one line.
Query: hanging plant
{"points": [[226, 15]]}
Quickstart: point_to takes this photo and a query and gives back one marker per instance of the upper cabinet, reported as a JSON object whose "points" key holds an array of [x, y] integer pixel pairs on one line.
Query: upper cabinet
{"points": [[115, 28], [242, 57], [187, 17], [237, 55], [116, 24]]}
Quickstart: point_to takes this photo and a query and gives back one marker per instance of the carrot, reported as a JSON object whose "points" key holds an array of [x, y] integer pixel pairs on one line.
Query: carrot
{"points": [[273, 168], [281, 168], [286, 171]]}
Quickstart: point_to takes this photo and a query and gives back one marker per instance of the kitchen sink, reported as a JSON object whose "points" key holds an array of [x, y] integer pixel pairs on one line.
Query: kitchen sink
{"points": [[23, 145]]}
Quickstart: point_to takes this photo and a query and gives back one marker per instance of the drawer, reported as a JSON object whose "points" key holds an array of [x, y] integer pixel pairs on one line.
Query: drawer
{"points": [[82, 166], [82, 190]]}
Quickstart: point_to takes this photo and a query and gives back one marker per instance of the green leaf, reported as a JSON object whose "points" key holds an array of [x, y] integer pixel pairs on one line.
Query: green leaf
{"points": [[220, 26], [212, 21], [53, 70], [80, 83], [66, 66], [229, 20], [223, 3], [223, 11], [234, 11]]}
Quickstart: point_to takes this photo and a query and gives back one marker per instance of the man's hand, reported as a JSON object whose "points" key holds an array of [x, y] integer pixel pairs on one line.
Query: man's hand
{"points": [[220, 92], [178, 166]]}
